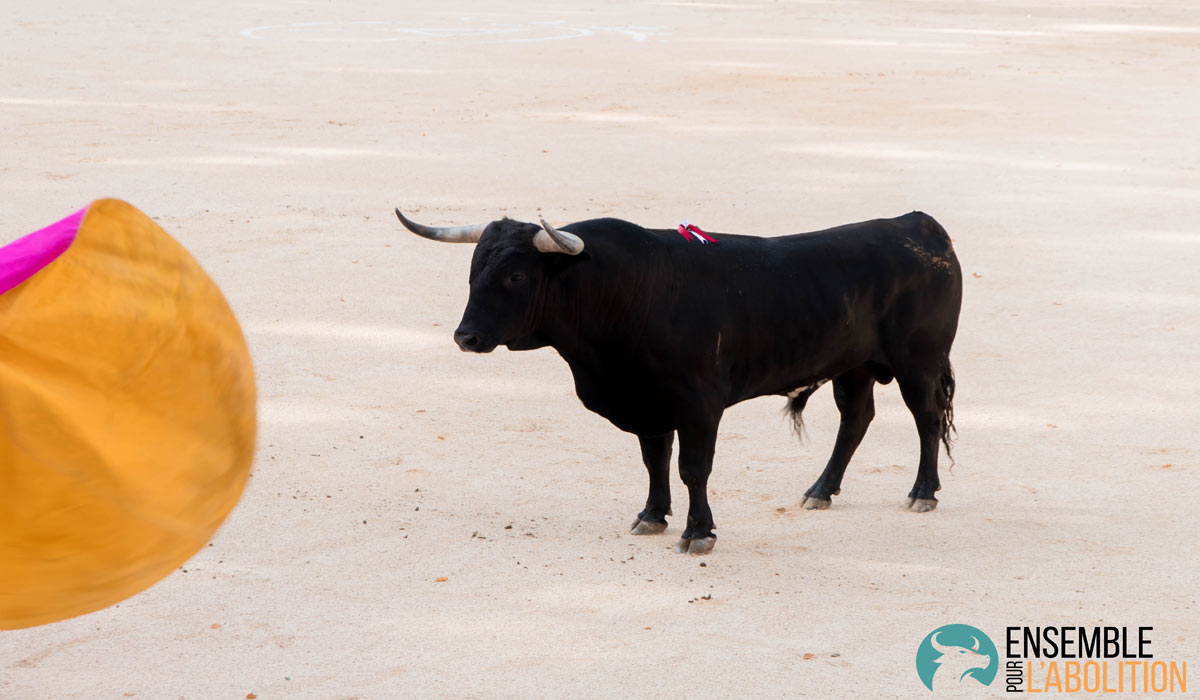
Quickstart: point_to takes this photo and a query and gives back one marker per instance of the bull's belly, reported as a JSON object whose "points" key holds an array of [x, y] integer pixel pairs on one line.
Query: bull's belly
{"points": [[653, 400], [658, 405]]}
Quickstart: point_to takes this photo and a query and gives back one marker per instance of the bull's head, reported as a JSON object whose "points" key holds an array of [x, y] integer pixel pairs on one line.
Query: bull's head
{"points": [[961, 659], [512, 264]]}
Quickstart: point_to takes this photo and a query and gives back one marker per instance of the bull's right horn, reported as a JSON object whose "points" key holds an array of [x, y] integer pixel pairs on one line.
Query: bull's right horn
{"points": [[446, 234]]}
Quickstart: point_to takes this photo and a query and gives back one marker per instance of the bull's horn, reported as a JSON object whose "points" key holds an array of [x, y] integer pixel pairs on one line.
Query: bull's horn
{"points": [[975, 646], [940, 647], [446, 234], [551, 240]]}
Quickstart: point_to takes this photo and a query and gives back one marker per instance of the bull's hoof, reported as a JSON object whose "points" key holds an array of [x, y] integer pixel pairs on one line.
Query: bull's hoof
{"points": [[812, 503], [919, 505], [696, 547], [647, 527]]}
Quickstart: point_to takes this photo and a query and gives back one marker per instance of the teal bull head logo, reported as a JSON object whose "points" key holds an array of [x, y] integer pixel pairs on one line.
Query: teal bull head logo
{"points": [[955, 655]]}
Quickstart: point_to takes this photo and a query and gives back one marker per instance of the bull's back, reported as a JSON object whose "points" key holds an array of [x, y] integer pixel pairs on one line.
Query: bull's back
{"points": [[749, 316], [801, 308]]}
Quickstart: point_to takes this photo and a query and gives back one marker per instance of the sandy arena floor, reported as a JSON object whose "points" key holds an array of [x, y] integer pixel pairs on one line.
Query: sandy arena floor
{"points": [[1056, 141]]}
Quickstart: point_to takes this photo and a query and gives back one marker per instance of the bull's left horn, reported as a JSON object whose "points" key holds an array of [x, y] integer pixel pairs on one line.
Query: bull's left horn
{"points": [[446, 234], [551, 240]]}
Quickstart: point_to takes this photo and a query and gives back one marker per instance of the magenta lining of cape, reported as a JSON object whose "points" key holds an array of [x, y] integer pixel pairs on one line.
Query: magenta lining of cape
{"points": [[22, 258]]}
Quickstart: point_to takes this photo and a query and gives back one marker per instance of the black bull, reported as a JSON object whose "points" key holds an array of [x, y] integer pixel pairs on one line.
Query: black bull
{"points": [[663, 334]]}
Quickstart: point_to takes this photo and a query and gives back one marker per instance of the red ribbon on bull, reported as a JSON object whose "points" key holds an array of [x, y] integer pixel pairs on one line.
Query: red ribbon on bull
{"points": [[692, 232]]}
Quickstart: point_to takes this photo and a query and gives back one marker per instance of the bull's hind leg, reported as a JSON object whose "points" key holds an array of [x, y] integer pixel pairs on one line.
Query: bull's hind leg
{"points": [[656, 453], [853, 391], [928, 395]]}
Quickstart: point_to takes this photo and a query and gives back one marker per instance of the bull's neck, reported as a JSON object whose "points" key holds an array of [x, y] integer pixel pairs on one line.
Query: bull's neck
{"points": [[599, 309]]}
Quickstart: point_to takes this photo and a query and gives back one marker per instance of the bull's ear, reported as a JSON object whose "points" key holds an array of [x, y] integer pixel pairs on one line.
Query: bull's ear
{"points": [[551, 240]]}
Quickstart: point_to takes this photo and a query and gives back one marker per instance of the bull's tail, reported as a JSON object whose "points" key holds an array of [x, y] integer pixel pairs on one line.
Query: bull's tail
{"points": [[946, 396], [795, 409]]}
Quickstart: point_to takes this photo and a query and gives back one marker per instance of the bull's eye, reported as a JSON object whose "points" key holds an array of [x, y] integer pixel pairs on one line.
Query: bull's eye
{"points": [[516, 277]]}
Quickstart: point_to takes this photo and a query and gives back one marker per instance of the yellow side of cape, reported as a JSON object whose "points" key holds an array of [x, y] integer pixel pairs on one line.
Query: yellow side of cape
{"points": [[127, 419]]}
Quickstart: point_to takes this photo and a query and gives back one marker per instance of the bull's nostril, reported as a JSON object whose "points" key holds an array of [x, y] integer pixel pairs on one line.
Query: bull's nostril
{"points": [[467, 341]]}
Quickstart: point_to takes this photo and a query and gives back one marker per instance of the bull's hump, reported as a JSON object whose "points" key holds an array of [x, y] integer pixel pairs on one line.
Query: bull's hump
{"points": [[602, 224]]}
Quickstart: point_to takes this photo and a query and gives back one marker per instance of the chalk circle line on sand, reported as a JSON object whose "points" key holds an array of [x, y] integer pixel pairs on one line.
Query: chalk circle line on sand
{"points": [[486, 31]]}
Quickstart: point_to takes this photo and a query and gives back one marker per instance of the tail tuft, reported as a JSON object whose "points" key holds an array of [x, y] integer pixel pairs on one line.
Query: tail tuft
{"points": [[795, 409], [946, 387]]}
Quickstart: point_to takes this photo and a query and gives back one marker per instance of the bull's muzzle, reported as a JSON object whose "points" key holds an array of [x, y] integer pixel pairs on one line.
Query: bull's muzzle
{"points": [[471, 342]]}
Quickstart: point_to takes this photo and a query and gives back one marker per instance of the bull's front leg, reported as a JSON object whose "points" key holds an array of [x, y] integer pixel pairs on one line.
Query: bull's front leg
{"points": [[697, 442], [656, 453]]}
